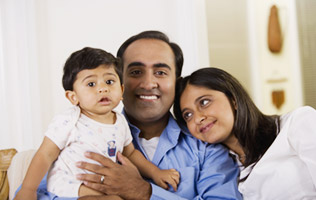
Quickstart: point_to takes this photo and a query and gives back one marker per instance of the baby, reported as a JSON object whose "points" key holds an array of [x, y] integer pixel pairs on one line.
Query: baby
{"points": [[92, 81]]}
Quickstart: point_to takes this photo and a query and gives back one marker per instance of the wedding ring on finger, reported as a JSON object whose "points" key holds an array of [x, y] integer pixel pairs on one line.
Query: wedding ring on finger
{"points": [[102, 179]]}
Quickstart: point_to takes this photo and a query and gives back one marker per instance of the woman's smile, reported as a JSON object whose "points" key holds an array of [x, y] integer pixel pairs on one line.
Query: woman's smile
{"points": [[207, 127]]}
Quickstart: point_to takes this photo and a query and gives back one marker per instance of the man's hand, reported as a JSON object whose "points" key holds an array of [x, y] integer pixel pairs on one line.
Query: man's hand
{"points": [[123, 180]]}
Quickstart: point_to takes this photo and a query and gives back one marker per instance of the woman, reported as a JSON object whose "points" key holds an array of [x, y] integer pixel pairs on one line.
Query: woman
{"points": [[277, 154]]}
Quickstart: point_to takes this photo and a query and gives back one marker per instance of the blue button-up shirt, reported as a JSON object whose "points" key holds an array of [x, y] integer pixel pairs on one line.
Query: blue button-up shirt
{"points": [[206, 170]]}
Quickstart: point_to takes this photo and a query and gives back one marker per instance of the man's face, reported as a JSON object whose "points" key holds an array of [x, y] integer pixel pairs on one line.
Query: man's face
{"points": [[149, 78]]}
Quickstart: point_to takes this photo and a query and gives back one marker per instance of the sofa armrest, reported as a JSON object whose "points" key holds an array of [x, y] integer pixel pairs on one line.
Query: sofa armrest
{"points": [[6, 156], [18, 169]]}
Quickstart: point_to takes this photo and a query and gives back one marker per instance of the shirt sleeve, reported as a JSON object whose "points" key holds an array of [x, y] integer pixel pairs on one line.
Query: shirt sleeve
{"points": [[217, 177], [159, 193], [302, 137], [60, 128], [219, 174], [127, 132]]}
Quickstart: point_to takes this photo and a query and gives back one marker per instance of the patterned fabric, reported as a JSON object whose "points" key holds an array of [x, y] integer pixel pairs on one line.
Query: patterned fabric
{"points": [[75, 134]]}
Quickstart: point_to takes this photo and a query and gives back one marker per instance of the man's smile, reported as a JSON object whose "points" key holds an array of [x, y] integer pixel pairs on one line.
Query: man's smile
{"points": [[148, 97]]}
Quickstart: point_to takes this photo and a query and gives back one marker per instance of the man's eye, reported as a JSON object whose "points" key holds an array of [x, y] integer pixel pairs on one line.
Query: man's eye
{"points": [[109, 82], [160, 73], [135, 72], [187, 115], [204, 102], [91, 84]]}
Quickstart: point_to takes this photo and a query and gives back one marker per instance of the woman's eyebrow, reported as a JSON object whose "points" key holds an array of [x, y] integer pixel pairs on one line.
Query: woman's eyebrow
{"points": [[183, 110], [198, 99]]}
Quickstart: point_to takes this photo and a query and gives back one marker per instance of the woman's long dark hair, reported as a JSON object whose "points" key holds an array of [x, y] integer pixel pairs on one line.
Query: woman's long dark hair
{"points": [[254, 130]]}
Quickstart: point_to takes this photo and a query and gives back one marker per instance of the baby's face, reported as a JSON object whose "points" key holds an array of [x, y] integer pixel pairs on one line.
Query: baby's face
{"points": [[98, 90]]}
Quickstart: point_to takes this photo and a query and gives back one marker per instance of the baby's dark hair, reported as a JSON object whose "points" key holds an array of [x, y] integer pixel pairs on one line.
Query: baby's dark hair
{"points": [[88, 58]]}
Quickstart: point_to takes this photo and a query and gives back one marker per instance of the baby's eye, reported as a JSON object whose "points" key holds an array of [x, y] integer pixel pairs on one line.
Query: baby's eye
{"points": [[187, 115], [109, 82], [204, 102], [91, 84]]}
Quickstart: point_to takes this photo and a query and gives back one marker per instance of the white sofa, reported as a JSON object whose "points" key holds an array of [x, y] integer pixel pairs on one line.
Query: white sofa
{"points": [[17, 170]]}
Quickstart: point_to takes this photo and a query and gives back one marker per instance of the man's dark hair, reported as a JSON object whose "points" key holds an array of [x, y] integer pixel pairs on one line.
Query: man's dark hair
{"points": [[87, 58], [158, 36]]}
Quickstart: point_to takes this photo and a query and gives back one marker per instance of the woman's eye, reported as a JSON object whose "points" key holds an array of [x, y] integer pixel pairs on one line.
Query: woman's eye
{"points": [[109, 82], [186, 116], [91, 84], [204, 102]]}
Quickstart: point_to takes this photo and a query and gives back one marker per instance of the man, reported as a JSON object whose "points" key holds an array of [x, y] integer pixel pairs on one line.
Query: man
{"points": [[151, 65]]}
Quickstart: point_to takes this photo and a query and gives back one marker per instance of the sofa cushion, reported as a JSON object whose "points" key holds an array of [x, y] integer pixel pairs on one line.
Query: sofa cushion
{"points": [[18, 169]]}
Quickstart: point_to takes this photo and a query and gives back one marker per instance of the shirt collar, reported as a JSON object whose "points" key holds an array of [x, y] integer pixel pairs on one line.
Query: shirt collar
{"points": [[172, 128], [134, 130]]}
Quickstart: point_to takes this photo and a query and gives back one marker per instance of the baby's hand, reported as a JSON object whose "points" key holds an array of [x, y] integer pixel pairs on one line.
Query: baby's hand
{"points": [[165, 177]]}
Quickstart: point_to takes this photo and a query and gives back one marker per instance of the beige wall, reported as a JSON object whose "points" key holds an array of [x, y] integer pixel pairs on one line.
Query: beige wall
{"points": [[229, 34], [228, 38], [237, 32], [279, 71], [39, 35]]}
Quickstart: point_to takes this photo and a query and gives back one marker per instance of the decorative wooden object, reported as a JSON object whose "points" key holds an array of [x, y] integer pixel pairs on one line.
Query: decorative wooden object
{"points": [[274, 31], [278, 98]]}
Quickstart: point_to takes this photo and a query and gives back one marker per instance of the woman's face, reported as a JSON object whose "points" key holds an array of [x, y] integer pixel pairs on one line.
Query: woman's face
{"points": [[208, 114]]}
